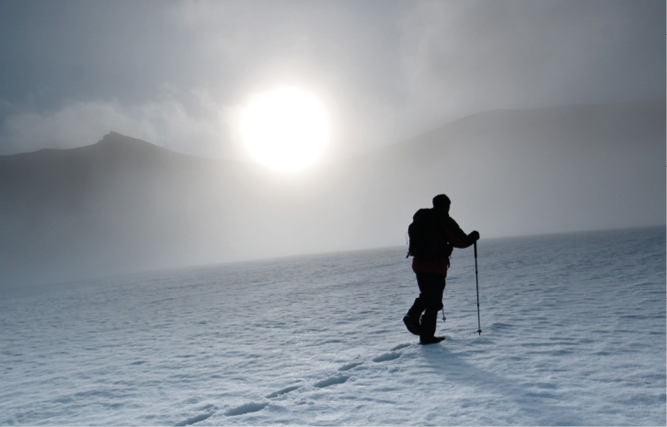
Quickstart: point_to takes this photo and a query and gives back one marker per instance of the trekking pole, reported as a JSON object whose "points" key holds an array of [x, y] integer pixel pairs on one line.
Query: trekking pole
{"points": [[479, 327]]}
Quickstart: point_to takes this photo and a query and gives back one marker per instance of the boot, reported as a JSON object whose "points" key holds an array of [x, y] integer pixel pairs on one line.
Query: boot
{"points": [[428, 323], [431, 340], [412, 324], [411, 319]]}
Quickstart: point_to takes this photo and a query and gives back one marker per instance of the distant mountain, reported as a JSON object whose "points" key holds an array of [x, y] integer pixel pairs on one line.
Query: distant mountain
{"points": [[120, 205], [518, 172], [126, 205]]}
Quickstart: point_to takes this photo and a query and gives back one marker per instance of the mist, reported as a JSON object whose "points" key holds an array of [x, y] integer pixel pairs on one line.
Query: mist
{"points": [[124, 205], [120, 147]]}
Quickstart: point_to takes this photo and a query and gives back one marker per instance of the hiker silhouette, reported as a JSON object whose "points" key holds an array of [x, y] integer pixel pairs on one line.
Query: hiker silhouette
{"points": [[433, 235]]}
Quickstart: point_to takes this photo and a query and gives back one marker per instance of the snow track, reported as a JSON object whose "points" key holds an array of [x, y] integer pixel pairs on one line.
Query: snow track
{"points": [[251, 407]]}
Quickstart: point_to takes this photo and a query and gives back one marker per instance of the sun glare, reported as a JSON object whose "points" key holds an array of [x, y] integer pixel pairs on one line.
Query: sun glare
{"points": [[285, 129]]}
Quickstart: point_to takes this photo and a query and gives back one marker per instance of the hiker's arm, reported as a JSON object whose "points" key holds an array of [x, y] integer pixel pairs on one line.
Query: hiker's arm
{"points": [[457, 237]]}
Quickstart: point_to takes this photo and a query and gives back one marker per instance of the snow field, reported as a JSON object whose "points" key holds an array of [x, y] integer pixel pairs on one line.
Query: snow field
{"points": [[573, 334]]}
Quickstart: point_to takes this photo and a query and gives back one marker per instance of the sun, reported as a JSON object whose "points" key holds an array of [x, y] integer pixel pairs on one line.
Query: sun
{"points": [[285, 129]]}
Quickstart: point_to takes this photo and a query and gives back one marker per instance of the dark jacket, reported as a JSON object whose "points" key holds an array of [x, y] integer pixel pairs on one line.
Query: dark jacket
{"points": [[449, 231]]}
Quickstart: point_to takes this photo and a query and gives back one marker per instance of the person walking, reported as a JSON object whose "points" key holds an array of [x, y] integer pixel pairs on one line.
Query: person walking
{"points": [[430, 267]]}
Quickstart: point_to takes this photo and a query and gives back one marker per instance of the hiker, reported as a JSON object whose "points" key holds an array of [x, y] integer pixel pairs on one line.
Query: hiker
{"points": [[430, 269]]}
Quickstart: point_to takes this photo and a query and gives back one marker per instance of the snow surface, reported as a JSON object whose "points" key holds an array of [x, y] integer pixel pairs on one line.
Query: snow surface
{"points": [[573, 334]]}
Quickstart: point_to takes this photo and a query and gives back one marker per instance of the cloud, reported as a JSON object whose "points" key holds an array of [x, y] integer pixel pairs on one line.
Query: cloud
{"points": [[385, 70], [344, 53], [465, 57], [168, 124]]}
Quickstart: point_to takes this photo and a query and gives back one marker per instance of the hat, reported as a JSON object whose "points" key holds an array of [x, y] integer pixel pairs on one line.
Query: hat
{"points": [[441, 201]]}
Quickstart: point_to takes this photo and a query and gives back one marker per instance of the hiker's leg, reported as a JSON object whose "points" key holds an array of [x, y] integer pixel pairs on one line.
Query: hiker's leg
{"points": [[425, 281], [432, 287], [417, 309], [413, 316]]}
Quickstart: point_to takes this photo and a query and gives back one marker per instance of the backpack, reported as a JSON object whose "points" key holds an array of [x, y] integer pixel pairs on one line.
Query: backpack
{"points": [[424, 235]]}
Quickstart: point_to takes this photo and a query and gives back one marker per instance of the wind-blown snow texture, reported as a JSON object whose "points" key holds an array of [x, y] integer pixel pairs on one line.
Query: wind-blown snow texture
{"points": [[574, 333]]}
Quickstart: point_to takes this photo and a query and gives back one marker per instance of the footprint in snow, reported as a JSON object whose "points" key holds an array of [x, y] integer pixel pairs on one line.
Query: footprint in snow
{"points": [[194, 420], [283, 391], [331, 381], [349, 366], [400, 347], [387, 357], [246, 409], [338, 379]]}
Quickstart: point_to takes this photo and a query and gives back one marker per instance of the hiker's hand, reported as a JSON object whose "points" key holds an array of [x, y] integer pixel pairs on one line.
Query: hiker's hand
{"points": [[474, 235]]}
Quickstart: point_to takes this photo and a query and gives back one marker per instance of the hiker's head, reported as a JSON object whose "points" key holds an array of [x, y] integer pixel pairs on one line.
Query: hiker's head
{"points": [[441, 203]]}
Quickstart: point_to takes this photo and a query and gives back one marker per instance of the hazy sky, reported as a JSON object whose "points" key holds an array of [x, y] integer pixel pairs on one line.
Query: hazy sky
{"points": [[178, 73]]}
